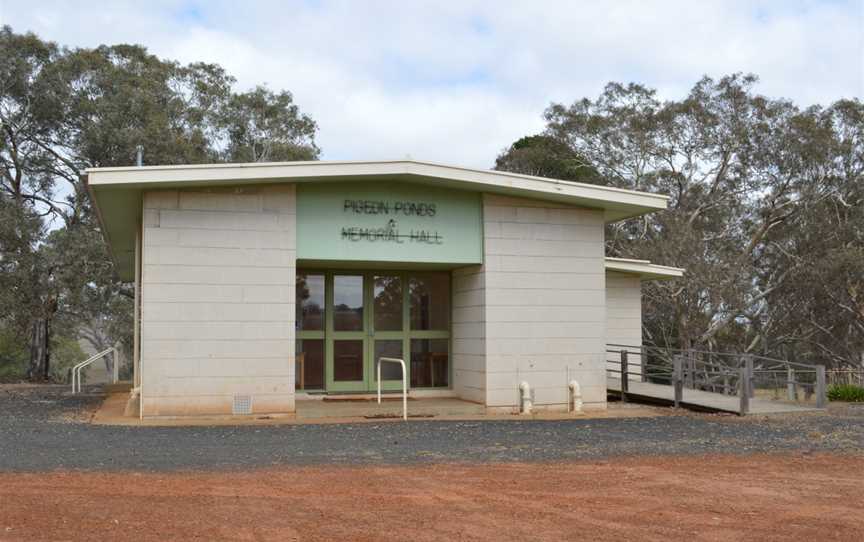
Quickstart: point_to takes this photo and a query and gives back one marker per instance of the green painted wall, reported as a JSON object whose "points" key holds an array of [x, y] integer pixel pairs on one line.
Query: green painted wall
{"points": [[388, 222]]}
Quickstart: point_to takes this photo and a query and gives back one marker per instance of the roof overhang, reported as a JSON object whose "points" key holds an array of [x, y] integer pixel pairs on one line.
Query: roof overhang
{"points": [[116, 192], [643, 268]]}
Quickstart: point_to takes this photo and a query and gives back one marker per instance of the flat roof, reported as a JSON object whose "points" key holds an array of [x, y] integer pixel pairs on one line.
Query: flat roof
{"points": [[116, 191], [644, 268]]}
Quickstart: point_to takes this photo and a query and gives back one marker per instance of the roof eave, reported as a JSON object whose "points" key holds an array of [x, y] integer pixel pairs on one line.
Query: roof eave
{"points": [[644, 269]]}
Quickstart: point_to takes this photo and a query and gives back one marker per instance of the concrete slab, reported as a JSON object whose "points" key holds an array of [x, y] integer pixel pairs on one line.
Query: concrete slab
{"points": [[389, 407], [111, 412]]}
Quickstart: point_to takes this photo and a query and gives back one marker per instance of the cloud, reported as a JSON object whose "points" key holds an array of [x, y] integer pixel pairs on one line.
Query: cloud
{"points": [[459, 81]]}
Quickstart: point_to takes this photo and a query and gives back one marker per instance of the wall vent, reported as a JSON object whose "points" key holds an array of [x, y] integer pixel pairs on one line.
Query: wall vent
{"points": [[242, 405]]}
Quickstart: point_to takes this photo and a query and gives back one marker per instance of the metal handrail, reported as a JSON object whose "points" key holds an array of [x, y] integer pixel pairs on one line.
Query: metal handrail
{"points": [[76, 370], [404, 383], [709, 371], [737, 356]]}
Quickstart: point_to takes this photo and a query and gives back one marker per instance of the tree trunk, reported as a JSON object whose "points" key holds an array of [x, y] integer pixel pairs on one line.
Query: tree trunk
{"points": [[40, 354]]}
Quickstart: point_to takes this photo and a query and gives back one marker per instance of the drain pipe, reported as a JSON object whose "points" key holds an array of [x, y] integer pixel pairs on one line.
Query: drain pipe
{"points": [[576, 396], [525, 390]]}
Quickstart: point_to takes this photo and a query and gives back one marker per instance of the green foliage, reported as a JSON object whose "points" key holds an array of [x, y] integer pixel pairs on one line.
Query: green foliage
{"points": [[765, 212], [64, 110], [546, 156], [13, 356], [847, 393], [65, 353], [264, 126]]}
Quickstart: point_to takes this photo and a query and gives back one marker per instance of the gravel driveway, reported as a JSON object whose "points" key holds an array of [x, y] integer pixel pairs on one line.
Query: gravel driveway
{"points": [[43, 428]]}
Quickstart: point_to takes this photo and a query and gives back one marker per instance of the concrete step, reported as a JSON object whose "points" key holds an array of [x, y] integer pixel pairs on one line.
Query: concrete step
{"points": [[119, 387]]}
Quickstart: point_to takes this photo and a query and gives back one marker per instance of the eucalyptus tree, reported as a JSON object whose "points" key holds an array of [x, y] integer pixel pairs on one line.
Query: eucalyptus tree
{"points": [[747, 176], [545, 156], [64, 110]]}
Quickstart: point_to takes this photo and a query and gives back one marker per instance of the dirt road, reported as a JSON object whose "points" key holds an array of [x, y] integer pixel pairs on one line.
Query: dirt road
{"points": [[757, 497]]}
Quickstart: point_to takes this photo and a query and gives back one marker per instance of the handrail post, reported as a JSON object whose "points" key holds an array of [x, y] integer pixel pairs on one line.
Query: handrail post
{"points": [[643, 362], [743, 391], [691, 370], [820, 386], [624, 383], [748, 365], [115, 370], [791, 391], [678, 379]]}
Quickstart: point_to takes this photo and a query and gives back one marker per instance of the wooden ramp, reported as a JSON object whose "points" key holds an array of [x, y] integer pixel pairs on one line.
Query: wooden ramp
{"points": [[698, 399]]}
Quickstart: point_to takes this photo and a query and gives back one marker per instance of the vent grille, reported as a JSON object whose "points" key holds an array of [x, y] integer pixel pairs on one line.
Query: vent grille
{"points": [[242, 405]]}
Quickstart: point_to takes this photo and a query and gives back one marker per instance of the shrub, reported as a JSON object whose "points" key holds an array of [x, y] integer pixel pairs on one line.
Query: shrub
{"points": [[65, 352], [13, 356], [847, 393]]}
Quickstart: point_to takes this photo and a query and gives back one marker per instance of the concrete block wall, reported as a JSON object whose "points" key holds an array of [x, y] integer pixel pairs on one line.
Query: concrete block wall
{"points": [[468, 334], [217, 317], [544, 308], [624, 316]]}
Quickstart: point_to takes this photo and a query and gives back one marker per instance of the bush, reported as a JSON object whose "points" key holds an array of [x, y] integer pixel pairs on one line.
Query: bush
{"points": [[65, 352], [847, 393], [13, 356]]}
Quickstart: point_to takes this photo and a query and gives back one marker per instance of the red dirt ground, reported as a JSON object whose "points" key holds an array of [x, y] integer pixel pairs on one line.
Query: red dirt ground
{"points": [[763, 497]]}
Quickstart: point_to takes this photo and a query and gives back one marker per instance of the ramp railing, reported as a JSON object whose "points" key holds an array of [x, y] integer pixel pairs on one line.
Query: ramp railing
{"points": [[726, 373]]}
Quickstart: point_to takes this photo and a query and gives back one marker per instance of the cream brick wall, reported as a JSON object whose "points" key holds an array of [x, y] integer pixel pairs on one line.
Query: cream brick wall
{"points": [[218, 300], [468, 334], [542, 302], [624, 316]]}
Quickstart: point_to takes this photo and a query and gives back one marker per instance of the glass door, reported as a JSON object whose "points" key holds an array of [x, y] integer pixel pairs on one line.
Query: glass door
{"points": [[347, 320], [389, 322], [347, 342]]}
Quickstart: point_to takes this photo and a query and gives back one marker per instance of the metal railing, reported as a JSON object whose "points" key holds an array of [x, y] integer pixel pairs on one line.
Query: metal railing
{"points": [[717, 372], [401, 362], [115, 368]]}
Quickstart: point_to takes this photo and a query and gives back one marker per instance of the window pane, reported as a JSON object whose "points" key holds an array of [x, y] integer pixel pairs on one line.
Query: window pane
{"points": [[347, 361], [309, 364], [388, 304], [389, 349], [430, 363], [430, 302], [310, 302], [348, 303]]}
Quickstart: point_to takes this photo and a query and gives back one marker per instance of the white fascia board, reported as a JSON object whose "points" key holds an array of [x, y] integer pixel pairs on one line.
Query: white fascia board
{"points": [[618, 202], [645, 269]]}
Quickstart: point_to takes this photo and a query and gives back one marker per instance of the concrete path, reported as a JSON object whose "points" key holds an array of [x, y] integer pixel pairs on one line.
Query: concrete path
{"points": [[704, 399], [390, 407]]}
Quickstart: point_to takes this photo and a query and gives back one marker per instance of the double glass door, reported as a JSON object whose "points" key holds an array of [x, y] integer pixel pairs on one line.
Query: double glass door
{"points": [[347, 321]]}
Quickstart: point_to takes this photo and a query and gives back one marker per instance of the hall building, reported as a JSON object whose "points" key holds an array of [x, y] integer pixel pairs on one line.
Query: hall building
{"points": [[260, 285]]}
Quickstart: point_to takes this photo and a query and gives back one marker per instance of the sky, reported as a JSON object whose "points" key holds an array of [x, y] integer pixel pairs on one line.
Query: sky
{"points": [[458, 81]]}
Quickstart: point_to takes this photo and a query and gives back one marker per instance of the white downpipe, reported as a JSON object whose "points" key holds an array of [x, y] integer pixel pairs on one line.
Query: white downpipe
{"points": [[525, 390], [404, 384], [576, 396]]}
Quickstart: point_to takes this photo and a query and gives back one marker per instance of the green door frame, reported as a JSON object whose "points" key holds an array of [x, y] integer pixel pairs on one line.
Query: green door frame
{"points": [[369, 335]]}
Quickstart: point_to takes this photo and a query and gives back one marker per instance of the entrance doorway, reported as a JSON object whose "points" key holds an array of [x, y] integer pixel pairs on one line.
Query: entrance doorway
{"points": [[347, 320]]}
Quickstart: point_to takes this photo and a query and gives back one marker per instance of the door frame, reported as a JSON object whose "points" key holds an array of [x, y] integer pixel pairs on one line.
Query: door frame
{"points": [[369, 335]]}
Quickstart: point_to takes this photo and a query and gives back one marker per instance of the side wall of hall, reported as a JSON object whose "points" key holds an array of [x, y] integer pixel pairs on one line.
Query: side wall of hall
{"points": [[624, 318], [218, 300], [543, 310]]}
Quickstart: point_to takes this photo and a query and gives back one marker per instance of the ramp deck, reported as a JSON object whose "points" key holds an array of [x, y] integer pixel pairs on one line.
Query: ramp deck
{"points": [[703, 400]]}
